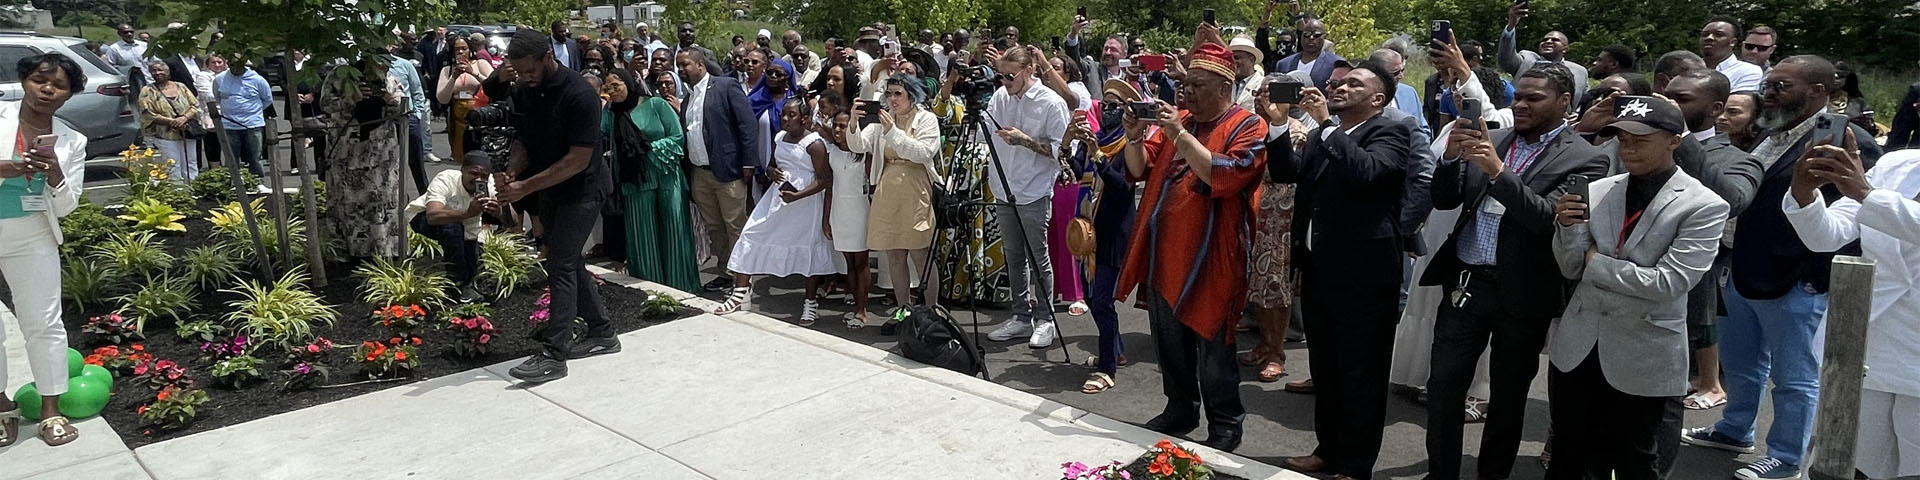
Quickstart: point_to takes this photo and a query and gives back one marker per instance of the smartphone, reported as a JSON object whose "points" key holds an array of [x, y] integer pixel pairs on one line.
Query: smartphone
{"points": [[1056, 43], [1470, 109], [869, 112], [1831, 128], [1082, 12], [1577, 185], [1153, 63], [1206, 15], [1126, 63], [45, 142], [892, 49], [1145, 110], [1442, 32], [1284, 92]]}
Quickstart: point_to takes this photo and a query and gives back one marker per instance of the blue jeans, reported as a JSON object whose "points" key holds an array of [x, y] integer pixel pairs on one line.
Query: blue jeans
{"points": [[1780, 339], [417, 161], [246, 148], [1100, 304]]}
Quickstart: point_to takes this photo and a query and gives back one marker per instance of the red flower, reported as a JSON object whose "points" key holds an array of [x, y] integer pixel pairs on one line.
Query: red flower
{"points": [[139, 348], [415, 340], [164, 393], [94, 360], [1160, 466], [400, 356], [141, 411], [416, 310]]}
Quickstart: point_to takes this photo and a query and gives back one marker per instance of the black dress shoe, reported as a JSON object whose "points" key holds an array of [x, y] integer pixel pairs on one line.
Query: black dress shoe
{"points": [[1225, 442], [719, 284], [1171, 424]]}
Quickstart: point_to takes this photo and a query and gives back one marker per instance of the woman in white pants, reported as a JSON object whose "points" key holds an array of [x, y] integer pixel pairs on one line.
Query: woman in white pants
{"points": [[39, 183]]}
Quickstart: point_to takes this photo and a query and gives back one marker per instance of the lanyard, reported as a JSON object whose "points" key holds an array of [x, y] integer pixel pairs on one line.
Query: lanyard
{"points": [[1625, 228], [35, 180], [1519, 163]]}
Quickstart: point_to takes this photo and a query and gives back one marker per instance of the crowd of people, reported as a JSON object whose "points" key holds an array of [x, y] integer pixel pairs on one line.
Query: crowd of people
{"points": [[1663, 236]]}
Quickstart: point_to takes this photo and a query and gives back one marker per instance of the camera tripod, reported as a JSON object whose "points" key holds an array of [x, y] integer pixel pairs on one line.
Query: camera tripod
{"points": [[975, 122]]}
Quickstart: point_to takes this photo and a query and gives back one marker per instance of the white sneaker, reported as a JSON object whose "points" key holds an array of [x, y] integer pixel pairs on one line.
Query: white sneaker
{"points": [[1042, 336], [261, 190], [431, 158], [1014, 328]]}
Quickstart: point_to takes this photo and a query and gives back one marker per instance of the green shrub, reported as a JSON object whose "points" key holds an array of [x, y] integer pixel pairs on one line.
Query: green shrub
{"points": [[86, 282], [230, 227], [506, 263], [87, 225], [386, 282], [216, 184], [162, 298], [134, 254], [209, 265], [422, 246], [237, 371], [168, 193], [150, 215], [297, 203], [659, 305], [200, 331], [281, 313]]}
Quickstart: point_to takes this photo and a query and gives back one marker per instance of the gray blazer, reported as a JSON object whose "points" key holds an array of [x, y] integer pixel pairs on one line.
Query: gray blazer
{"points": [[1631, 302]]}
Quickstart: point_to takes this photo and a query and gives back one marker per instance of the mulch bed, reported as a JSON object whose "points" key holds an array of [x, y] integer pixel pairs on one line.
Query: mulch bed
{"points": [[229, 406]]}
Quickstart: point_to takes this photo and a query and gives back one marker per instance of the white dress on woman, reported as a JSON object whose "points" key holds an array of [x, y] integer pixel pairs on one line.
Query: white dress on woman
{"points": [[780, 238], [850, 201]]}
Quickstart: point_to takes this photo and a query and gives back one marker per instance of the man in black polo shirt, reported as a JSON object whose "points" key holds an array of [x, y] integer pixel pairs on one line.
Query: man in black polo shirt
{"points": [[559, 129]]}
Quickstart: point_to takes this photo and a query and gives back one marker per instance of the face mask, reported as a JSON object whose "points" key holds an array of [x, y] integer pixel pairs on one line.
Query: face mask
{"points": [[1111, 118]]}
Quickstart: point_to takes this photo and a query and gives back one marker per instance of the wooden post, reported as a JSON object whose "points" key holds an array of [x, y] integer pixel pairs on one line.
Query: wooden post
{"points": [[1843, 370], [240, 188], [316, 231]]}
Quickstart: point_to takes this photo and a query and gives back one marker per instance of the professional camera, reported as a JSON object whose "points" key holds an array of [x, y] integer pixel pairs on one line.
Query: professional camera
{"points": [[492, 126]]}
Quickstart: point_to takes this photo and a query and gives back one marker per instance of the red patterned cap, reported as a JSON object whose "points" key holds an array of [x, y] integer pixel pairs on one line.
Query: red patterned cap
{"points": [[1213, 57]]}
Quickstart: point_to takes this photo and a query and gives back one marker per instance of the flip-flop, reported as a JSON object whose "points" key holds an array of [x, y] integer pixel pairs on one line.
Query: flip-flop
{"points": [[9, 427], [1078, 308], [58, 431], [1698, 401], [1272, 372], [1096, 383]]}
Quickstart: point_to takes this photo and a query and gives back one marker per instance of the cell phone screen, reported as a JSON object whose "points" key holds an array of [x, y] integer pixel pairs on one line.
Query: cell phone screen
{"points": [[1284, 92], [1145, 110], [1153, 63]]}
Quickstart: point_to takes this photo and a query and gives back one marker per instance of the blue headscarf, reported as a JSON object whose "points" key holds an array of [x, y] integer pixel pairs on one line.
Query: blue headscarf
{"points": [[763, 100]]}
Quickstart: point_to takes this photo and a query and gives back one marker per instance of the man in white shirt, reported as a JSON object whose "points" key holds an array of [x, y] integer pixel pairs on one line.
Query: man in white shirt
{"points": [[1881, 209], [1719, 41], [1552, 48], [129, 55], [1031, 119], [449, 213]]}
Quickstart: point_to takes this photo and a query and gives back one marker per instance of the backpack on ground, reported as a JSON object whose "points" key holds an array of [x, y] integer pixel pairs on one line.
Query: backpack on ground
{"points": [[930, 336]]}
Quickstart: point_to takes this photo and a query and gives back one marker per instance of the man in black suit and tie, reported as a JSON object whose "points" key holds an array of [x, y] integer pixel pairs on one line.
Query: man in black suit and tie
{"points": [[1497, 269], [433, 55], [721, 150], [1346, 217], [565, 51]]}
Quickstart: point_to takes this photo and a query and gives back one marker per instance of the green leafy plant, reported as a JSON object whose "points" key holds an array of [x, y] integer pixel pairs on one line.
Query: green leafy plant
{"points": [[199, 331], [390, 282], [209, 265], [506, 262], [281, 313], [229, 225], [87, 225], [297, 203], [162, 298], [135, 253], [308, 369], [396, 356], [659, 305], [148, 215], [238, 371], [422, 246], [86, 282], [473, 332], [166, 193], [113, 328], [216, 184], [173, 408]]}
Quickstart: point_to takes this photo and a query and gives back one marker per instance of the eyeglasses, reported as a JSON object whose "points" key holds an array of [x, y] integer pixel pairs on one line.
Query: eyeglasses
{"points": [[896, 93], [1757, 47], [1313, 34], [126, 32], [1005, 77], [1776, 86]]}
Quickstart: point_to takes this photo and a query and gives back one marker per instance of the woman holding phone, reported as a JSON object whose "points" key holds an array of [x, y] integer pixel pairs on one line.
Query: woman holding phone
{"points": [[39, 183], [459, 84]]}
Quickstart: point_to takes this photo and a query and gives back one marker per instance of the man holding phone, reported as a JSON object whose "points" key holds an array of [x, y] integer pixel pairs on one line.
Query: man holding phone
{"points": [[1497, 267], [1552, 50], [1030, 119]]}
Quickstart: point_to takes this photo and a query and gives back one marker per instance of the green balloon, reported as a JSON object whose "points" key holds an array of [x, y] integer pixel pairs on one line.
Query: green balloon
{"points": [[74, 362], [85, 397], [28, 397], [97, 372]]}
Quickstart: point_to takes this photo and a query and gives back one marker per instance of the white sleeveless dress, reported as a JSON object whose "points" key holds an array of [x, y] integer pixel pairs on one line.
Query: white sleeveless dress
{"points": [[850, 201], [782, 239]]}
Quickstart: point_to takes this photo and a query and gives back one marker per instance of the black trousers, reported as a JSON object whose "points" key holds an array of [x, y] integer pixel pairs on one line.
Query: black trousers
{"points": [[1349, 350], [1600, 432], [463, 255], [1195, 371], [1460, 334], [575, 294]]}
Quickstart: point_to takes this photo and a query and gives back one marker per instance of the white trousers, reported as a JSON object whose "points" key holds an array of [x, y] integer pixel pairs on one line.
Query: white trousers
{"points": [[30, 261], [185, 155], [1889, 442]]}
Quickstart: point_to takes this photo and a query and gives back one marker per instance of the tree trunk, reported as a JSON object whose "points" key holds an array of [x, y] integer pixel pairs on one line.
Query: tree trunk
{"points": [[316, 236], [238, 172]]}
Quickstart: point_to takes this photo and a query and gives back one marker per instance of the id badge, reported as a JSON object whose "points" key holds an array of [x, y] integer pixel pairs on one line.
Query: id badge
{"points": [[1492, 207], [33, 203], [463, 96]]}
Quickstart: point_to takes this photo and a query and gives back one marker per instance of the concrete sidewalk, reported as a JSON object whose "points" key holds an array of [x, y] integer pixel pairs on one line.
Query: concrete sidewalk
{"points": [[740, 396]]}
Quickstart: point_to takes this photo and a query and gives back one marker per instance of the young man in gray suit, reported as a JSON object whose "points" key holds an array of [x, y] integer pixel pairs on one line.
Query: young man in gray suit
{"points": [[1620, 353]]}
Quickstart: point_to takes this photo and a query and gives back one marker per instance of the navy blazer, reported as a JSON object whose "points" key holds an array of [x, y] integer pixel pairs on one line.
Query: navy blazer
{"points": [[1769, 260], [1349, 191], [1322, 67], [731, 141]]}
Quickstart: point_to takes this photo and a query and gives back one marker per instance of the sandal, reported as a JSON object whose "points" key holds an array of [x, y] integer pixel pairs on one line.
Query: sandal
{"points": [[1096, 383], [1078, 308], [1254, 357], [1272, 372], [855, 322], [1698, 401], [736, 300], [58, 431], [9, 427], [808, 312], [1476, 410]]}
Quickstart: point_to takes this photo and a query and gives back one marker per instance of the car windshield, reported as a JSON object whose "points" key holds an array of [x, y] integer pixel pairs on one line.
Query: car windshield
{"points": [[80, 51]]}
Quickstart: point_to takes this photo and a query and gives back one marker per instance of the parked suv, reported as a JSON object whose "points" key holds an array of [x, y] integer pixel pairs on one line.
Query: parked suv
{"points": [[104, 111]]}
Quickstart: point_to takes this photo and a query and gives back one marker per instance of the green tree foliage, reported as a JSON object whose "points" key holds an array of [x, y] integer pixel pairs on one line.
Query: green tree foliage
{"points": [[328, 29], [706, 16], [537, 13]]}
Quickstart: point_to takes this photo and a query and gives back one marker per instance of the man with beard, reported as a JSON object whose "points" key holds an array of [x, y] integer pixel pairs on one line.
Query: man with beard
{"points": [[1189, 252], [1351, 177], [1314, 58], [1719, 40], [689, 40], [1674, 63], [565, 51], [1777, 299], [1614, 59], [1553, 49], [1497, 267]]}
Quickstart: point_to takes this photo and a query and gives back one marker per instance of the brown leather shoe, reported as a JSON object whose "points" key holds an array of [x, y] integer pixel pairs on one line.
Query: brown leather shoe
{"points": [[1306, 464], [1303, 386]]}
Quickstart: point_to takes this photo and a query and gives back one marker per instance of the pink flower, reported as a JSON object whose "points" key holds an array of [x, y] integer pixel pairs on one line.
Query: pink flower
{"points": [[303, 368], [314, 349], [471, 323], [484, 338]]}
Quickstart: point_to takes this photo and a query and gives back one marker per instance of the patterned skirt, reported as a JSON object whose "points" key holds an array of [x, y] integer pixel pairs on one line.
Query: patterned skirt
{"points": [[1272, 282]]}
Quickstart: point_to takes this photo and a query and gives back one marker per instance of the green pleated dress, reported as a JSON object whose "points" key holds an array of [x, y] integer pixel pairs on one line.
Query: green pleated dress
{"points": [[659, 220]]}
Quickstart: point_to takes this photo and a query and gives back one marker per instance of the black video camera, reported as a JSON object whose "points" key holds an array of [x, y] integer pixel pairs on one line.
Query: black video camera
{"points": [[977, 84]]}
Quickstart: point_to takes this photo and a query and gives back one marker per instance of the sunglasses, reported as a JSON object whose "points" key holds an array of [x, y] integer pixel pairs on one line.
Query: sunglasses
{"points": [[1313, 34], [1005, 77], [1757, 47]]}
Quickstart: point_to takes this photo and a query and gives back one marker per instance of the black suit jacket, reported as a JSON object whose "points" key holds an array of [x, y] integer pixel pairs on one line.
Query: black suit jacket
{"points": [[573, 54], [1905, 120], [1523, 253], [1348, 201], [1769, 260], [1729, 172]]}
